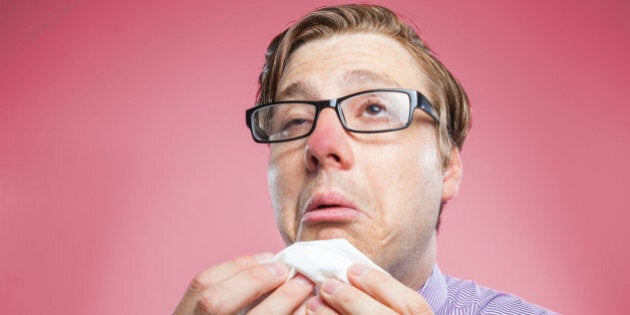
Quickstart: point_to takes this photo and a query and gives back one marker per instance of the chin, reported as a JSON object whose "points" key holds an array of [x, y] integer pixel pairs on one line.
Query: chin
{"points": [[325, 232]]}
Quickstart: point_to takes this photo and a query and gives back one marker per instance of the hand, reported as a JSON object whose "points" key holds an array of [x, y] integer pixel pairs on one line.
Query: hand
{"points": [[241, 284], [369, 292]]}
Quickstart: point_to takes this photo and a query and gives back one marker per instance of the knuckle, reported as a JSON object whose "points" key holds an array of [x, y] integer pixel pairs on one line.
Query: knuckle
{"points": [[260, 273], [344, 295], [288, 290], [242, 262], [209, 303], [293, 290], [198, 283], [379, 277]]}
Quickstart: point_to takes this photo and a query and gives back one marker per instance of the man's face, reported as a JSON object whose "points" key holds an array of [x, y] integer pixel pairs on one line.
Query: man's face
{"points": [[380, 191]]}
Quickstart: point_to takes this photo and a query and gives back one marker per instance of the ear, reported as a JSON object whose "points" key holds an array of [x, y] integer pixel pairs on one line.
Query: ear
{"points": [[452, 176]]}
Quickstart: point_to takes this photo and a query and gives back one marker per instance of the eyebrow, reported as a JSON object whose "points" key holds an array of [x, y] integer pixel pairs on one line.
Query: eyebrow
{"points": [[298, 88], [355, 78], [366, 77]]}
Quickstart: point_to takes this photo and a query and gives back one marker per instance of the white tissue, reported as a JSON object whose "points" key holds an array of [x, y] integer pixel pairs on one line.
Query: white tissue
{"points": [[319, 260]]}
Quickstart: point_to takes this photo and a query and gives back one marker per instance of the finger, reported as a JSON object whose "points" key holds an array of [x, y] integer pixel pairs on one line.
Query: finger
{"points": [[226, 270], [287, 298], [317, 305], [301, 310], [213, 276], [242, 289], [347, 299], [387, 290]]}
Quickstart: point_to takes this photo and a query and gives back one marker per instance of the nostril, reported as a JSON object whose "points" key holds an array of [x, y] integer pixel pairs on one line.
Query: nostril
{"points": [[335, 157]]}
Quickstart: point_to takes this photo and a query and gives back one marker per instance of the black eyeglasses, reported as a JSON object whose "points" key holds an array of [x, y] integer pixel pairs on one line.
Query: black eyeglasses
{"points": [[371, 111]]}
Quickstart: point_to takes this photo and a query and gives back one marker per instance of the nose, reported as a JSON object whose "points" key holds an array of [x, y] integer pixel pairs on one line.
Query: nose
{"points": [[328, 146]]}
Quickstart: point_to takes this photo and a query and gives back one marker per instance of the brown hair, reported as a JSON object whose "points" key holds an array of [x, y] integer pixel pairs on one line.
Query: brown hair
{"points": [[445, 93]]}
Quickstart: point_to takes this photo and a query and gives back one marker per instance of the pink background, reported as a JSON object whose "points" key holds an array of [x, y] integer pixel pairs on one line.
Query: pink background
{"points": [[126, 166]]}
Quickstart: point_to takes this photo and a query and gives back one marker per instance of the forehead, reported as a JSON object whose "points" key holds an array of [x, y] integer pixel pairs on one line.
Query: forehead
{"points": [[348, 63]]}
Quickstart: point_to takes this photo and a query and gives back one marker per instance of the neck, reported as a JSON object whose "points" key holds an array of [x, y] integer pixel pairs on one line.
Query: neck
{"points": [[415, 269]]}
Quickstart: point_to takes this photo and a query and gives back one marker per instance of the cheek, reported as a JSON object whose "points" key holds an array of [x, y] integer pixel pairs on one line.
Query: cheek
{"points": [[410, 185], [274, 190], [284, 189], [279, 169], [407, 168]]}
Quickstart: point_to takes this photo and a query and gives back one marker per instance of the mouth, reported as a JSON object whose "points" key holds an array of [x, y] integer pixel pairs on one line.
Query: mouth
{"points": [[329, 207]]}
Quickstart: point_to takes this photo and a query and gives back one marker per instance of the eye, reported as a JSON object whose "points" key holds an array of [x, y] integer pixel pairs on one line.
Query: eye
{"points": [[294, 123], [375, 109], [291, 119], [372, 111], [294, 127]]}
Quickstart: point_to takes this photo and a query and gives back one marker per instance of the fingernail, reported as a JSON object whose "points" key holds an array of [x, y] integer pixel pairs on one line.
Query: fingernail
{"points": [[358, 270], [304, 281], [263, 258], [313, 304], [331, 286], [278, 269]]}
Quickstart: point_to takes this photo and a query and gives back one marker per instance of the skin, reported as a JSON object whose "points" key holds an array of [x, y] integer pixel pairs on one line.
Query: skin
{"points": [[394, 183], [394, 179]]}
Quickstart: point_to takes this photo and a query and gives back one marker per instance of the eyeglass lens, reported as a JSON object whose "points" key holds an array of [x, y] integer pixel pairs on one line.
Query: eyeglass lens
{"points": [[372, 111]]}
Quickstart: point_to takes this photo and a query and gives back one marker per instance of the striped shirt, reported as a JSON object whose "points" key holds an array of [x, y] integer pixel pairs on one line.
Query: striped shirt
{"points": [[447, 295]]}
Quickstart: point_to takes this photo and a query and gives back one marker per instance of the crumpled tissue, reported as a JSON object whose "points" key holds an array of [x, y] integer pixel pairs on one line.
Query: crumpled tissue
{"points": [[319, 260]]}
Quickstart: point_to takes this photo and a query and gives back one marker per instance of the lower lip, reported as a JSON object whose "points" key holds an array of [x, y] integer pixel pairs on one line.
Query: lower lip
{"points": [[333, 214]]}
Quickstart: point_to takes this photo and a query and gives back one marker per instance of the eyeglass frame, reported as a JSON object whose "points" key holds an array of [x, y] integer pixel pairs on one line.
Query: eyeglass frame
{"points": [[416, 100]]}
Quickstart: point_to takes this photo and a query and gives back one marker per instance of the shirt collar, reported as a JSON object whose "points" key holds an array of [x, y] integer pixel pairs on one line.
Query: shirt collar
{"points": [[434, 289]]}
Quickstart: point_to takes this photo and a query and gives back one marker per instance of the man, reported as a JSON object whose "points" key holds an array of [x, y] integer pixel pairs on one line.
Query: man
{"points": [[365, 127]]}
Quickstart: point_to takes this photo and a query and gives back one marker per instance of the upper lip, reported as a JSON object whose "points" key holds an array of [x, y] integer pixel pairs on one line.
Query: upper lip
{"points": [[328, 199]]}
